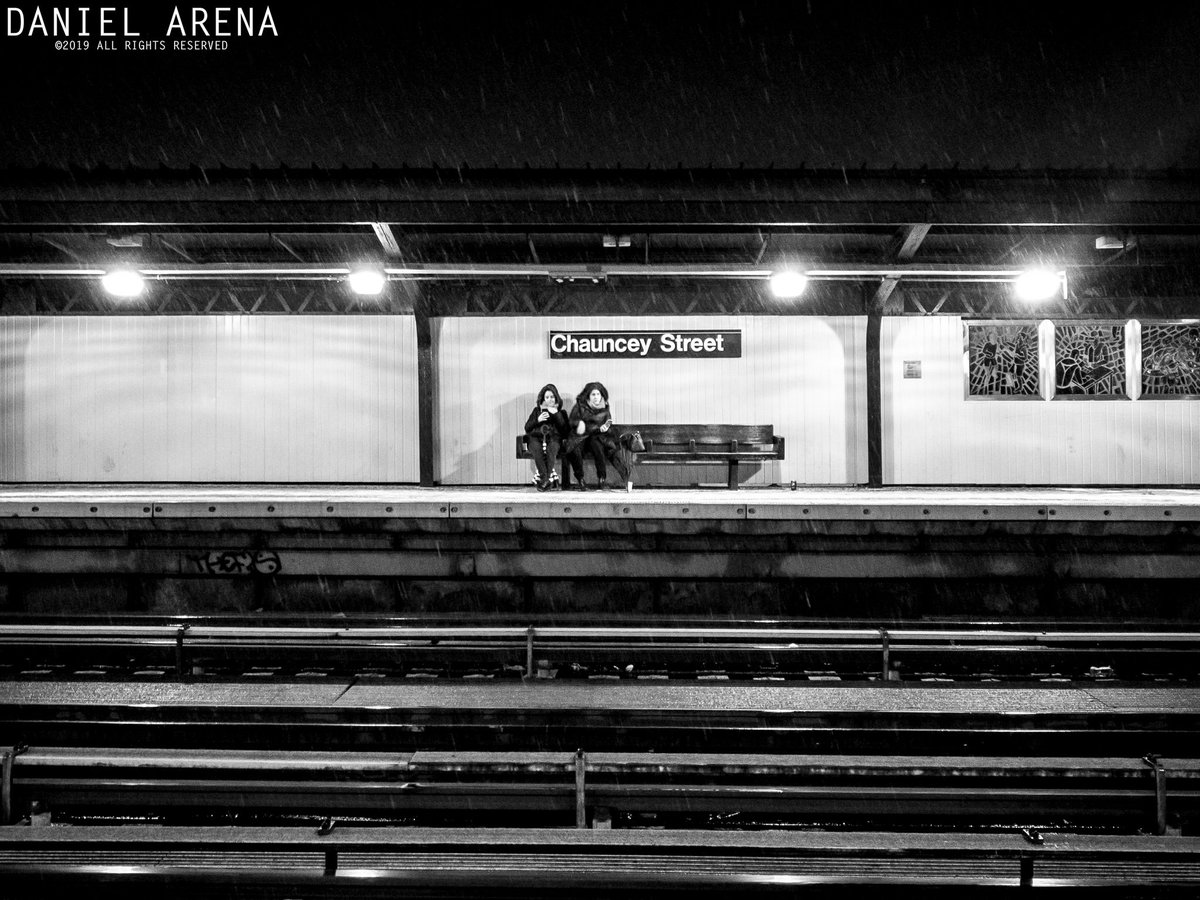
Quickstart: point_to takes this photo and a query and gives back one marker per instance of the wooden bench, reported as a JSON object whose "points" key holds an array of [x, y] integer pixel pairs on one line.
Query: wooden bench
{"points": [[695, 445]]}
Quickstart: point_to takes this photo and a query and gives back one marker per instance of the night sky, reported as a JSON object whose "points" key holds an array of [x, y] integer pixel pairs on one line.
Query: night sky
{"points": [[648, 84]]}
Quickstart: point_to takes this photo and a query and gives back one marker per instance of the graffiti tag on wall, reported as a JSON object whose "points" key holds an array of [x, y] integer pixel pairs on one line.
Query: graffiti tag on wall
{"points": [[237, 562]]}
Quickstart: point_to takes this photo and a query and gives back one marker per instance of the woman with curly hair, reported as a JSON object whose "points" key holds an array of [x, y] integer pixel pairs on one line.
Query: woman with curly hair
{"points": [[591, 431]]}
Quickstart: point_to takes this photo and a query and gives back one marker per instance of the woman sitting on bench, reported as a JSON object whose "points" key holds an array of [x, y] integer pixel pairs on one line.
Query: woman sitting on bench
{"points": [[545, 430], [592, 431]]}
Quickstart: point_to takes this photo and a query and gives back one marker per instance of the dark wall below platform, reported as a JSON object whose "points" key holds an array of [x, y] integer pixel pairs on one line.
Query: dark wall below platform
{"points": [[884, 601], [549, 569]]}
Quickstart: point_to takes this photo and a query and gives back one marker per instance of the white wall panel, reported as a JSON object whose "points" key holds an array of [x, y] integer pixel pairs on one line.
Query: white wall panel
{"points": [[208, 398], [934, 435], [798, 373]]}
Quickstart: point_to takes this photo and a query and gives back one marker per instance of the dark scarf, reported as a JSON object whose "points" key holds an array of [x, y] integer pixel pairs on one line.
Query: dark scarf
{"points": [[592, 419]]}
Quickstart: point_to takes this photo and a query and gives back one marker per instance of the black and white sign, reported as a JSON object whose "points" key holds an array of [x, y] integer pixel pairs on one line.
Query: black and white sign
{"points": [[645, 344]]}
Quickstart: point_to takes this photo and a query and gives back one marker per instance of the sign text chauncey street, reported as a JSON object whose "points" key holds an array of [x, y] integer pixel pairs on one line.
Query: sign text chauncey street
{"points": [[645, 344]]}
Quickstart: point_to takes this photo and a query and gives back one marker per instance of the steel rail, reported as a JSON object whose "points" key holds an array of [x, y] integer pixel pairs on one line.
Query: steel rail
{"points": [[82, 633], [879, 650], [444, 716], [495, 861], [117, 779]]}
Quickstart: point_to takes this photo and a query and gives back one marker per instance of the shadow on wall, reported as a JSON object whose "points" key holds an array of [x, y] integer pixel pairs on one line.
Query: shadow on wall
{"points": [[507, 421]]}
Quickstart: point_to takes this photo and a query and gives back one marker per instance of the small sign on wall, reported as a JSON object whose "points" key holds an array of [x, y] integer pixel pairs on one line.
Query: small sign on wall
{"points": [[645, 344], [912, 368]]}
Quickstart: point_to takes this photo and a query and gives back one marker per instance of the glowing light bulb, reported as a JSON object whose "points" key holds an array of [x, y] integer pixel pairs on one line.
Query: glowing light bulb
{"points": [[123, 283], [786, 285], [368, 282], [1037, 284]]}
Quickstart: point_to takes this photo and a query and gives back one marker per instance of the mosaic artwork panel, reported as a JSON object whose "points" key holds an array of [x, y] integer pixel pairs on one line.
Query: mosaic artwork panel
{"points": [[1170, 360], [1002, 360], [1089, 360]]}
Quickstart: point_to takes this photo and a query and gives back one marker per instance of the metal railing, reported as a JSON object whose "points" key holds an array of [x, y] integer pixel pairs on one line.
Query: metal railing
{"points": [[1138, 793], [186, 641]]}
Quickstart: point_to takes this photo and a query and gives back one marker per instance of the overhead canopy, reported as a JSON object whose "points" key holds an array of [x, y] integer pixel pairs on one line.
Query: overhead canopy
{"points": [[503, 241]]}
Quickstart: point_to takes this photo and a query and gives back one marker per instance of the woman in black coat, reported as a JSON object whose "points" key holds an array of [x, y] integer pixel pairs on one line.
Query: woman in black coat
{"points": [[545, 430], [591, 431]]}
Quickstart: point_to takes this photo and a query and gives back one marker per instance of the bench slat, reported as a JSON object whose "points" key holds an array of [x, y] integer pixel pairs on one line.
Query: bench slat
{"points": [[703, 434], [711, 454]]}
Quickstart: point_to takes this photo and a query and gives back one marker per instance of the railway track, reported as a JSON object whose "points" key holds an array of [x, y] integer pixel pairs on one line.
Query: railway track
{"points": [[219, 649], [443, 759], [86, 785], [799, 733], [372, 862]]}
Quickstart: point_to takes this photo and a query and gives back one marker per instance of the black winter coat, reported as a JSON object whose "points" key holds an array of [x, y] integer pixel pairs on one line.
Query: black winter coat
{"points": [[557, 423], [592, 420]]}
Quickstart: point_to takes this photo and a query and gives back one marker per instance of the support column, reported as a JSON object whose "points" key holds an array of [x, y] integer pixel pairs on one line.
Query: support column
{"points": [[902, 248], [874, 397], [425, 391]]}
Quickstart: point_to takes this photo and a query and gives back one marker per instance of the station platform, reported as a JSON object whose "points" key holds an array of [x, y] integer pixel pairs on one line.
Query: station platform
{"points": [[308, 501]]}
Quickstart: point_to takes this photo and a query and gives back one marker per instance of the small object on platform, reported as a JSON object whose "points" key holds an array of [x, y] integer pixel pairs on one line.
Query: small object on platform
{"points": [[793, 485], [39, 814], [629, 487]]}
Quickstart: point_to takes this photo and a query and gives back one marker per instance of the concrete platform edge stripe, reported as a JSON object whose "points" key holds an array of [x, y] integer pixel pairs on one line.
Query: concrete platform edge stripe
{"points": [[600, 506], [68, 509], [241, 509]]}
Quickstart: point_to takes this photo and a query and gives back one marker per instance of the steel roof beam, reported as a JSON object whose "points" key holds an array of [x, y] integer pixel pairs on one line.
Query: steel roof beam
{"points": [[383, 233]]}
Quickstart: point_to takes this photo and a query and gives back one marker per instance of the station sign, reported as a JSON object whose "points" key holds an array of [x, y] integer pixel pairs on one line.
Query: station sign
{"points": [[645, 344]]}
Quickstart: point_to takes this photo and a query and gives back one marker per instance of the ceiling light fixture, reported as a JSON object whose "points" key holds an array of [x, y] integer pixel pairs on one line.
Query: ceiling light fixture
{"points": [[1038, 284], [367, 282], [123, 283], [787, 285]]}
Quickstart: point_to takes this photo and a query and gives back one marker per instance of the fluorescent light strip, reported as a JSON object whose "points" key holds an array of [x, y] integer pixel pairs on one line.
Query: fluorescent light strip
{"points": [[471, 271], [228, 271]]}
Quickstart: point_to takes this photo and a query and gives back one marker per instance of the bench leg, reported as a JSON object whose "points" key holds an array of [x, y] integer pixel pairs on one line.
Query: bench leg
{"points": [[733, 478], [566, 474]]}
